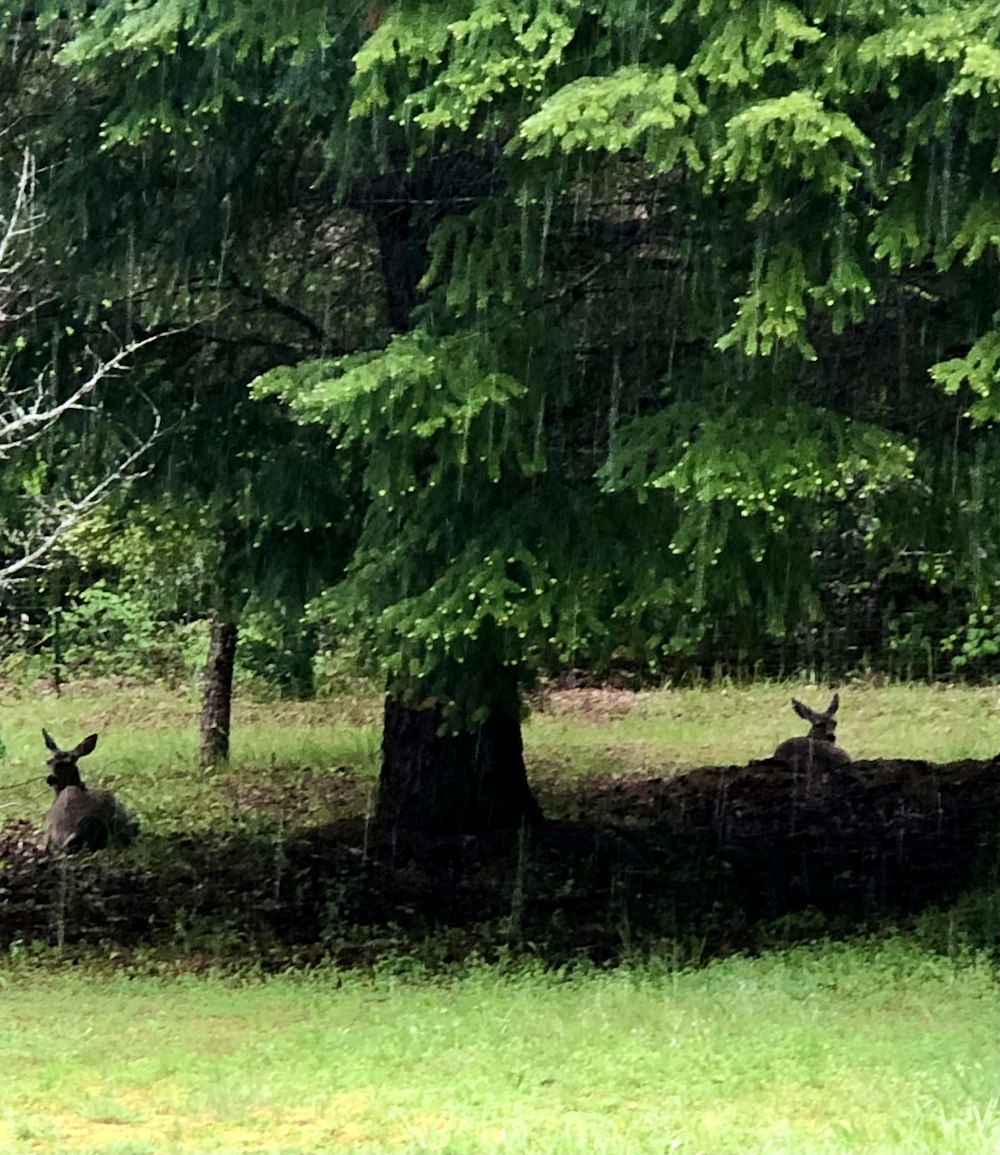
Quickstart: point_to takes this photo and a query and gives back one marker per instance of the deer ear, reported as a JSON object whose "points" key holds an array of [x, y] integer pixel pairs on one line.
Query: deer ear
{"points": [[86, 746], [49, 740], [834, 703]]}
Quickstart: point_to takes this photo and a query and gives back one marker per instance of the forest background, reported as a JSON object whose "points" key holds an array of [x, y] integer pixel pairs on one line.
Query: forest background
{"points": [[446, 362]]}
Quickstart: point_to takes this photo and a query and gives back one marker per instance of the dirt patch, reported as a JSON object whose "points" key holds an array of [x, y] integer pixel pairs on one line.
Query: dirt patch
{"points": [[20, 841], [595, 704], [704, 856]]}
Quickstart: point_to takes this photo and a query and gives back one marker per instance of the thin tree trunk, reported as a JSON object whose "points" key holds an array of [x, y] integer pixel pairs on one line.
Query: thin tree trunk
{"points": [[405, 205], [217, 699]]}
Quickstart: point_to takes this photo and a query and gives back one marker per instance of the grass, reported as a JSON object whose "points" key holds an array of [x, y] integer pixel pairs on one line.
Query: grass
{"points": [[671, 729], [875, 1046], [862, 1048], [148, 749], [148, 740]]}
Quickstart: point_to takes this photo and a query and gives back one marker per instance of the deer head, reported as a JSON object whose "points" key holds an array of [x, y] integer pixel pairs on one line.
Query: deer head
{"points": [[63, 763]]}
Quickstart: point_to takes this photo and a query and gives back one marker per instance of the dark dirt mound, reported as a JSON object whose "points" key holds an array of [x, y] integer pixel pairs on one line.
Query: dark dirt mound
{"points": [[704, 854], [879, 835]]}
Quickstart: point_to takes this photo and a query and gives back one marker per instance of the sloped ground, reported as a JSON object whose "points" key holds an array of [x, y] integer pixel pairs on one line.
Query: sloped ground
{"points": [[701, 856], [885, 835]]}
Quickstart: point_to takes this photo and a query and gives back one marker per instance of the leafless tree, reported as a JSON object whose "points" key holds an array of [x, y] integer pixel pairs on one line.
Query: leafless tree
{"points": [[28, 410]]}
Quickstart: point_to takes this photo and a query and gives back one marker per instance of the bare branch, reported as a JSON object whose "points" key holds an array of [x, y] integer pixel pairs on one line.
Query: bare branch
{"points": [[69, 514], [16, 232], [28, 412]]}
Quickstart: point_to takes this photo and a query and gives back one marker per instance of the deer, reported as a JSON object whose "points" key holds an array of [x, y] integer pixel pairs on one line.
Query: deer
{"points": [[817, 750], [82, 819]]}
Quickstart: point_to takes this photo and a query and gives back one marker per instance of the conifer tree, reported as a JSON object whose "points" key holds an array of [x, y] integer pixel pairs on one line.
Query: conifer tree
{"points": [[675, 306]]}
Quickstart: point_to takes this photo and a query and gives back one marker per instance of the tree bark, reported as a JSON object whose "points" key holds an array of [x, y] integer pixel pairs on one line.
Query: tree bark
{"points": [[440, 784], [217, 698], [447, 784]]}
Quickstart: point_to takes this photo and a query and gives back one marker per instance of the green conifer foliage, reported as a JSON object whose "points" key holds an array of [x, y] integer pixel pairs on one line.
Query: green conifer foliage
{"points": [[675, 314]]}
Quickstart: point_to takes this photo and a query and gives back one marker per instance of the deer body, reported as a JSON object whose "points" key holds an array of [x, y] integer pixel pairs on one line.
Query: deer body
{"points": [[82, 819], [818, 750]]}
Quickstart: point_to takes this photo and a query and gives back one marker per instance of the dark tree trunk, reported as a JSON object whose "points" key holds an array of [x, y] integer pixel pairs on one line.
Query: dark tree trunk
{"points": [[403, 255], [217, 699], [439, 784], [405, 205], [445, 784]]}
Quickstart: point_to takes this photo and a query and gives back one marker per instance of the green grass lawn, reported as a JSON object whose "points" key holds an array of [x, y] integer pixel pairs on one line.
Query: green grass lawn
{"points": [[673, 729], [148, 749], [849, 1049]]}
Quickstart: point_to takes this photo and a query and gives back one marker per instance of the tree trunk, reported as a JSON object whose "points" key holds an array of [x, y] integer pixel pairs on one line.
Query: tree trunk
{"points": [[217, 699], [439, 784], [445, 784], [405, 204]]}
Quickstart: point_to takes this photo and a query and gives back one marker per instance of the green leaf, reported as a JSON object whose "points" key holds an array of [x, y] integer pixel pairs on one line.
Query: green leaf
{"points": [[635, 108], [774, 310], [792, 136]]}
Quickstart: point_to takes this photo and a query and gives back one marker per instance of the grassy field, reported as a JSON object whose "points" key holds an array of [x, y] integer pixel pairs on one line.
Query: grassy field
{"points": [[667, 730], [148, 739], [853, 1049], [872, 1046]]}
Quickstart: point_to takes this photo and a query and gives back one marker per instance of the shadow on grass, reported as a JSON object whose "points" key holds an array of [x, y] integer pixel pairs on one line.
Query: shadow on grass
{"points": [[716, 860]]}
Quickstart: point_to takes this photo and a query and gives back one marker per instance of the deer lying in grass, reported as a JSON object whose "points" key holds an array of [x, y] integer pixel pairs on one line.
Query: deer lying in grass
{"points": [[818, 750], [82, 819]]}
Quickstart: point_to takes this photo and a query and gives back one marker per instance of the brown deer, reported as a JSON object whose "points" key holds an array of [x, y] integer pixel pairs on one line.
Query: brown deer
{"points": [[818, 750], [82, 819]]}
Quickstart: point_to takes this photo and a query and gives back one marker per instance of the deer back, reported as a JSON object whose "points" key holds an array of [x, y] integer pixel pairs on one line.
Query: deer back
{"points": [[808, 753], [82, 819]]}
